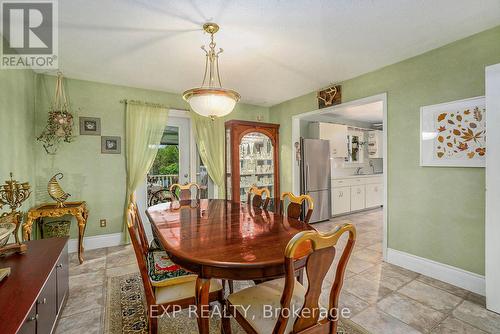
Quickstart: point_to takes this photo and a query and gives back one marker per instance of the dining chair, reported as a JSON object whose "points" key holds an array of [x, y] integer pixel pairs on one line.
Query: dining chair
{"points": [[295, 205], [257, 200], [185, 190], [287, 294], [165, 283]]}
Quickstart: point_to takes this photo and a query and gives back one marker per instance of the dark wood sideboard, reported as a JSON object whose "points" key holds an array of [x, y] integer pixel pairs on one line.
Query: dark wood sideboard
{"points": [[32, 297]]}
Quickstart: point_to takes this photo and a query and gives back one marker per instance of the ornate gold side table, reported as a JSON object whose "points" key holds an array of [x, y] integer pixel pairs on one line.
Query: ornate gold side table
{"points": [[77, 209]]}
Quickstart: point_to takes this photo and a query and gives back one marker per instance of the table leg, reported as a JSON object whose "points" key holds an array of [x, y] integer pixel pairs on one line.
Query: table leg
{"points": [[202, 307], [81, 229]]}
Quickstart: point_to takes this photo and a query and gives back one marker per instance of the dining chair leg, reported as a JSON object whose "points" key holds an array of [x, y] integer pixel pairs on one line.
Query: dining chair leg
{"points": [[153, 325], [231, 286], [226, 321]]}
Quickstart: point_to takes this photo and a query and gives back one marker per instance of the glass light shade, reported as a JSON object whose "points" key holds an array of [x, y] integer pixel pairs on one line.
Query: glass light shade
{"points": [[211, 102]]}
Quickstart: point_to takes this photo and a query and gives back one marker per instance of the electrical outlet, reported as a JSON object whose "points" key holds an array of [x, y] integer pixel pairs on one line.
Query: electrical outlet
{"points": [[103, 222]]}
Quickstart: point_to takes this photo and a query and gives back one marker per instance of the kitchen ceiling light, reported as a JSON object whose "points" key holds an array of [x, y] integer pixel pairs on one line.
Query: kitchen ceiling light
{"points": [[211, 100]]}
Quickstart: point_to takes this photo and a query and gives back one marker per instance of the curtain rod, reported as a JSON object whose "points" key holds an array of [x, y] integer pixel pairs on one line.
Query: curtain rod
{"points": [[144, 103]]}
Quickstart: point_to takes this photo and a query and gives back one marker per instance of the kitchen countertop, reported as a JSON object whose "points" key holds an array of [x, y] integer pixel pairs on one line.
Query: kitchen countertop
{"points": [[356, 176]]}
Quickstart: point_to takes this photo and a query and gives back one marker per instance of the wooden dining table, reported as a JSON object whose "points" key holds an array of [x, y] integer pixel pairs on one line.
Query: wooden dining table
{"points": [[223, 239]]}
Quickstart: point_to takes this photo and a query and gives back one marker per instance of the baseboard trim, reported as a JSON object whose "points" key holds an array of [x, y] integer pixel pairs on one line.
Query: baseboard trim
{"points": [[97, 241], [443, 272]]}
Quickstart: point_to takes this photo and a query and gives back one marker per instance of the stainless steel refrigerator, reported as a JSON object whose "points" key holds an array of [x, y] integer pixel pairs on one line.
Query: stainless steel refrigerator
{"points": [[315, 176]]}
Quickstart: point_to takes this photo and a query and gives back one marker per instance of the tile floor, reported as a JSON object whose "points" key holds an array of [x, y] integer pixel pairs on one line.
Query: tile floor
{"points": [[383, 298]]}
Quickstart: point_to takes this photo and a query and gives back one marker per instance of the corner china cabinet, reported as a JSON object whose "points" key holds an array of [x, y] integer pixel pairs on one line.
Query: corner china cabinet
{"points": [[251, 158]]}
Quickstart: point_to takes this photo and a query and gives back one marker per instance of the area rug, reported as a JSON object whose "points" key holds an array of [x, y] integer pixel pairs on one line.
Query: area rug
{"points": [[126, 312]]}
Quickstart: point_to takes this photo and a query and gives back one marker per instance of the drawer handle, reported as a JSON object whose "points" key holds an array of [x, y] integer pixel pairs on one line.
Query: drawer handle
{"points": [[59, 265], [43, 301], [33, 318]]}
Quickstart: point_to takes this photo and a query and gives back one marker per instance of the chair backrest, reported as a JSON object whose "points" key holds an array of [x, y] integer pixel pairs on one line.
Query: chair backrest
{"points": [[320, 250], [257, 199], [160, 196], [140, 250], [185, 190], [295, 205]]}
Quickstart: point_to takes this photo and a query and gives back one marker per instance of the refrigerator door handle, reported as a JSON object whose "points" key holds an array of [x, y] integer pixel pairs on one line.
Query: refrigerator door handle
{"points": [[307, 179]]}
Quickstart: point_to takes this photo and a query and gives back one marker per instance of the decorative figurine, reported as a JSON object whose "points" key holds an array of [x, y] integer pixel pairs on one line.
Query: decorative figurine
{"points": [[13, 194], [55, 190]]}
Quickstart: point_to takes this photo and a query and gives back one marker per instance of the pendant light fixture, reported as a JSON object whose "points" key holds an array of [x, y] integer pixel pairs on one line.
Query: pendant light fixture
{"points": [[211, 100]]}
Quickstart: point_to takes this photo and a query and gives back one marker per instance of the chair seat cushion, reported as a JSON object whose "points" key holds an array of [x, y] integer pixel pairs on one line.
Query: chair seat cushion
{"points": [[266, 294], [172, 293], [163, 272]]}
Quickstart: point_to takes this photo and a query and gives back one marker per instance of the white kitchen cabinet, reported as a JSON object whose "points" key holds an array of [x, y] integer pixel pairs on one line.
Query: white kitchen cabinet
{"points": [[375, 141], [335, 133], [374, 195], [358, 197], [341, 200]]}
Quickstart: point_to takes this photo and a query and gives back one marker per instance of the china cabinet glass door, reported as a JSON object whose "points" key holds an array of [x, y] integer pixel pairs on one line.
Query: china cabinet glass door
{"points": [[256, 163]]}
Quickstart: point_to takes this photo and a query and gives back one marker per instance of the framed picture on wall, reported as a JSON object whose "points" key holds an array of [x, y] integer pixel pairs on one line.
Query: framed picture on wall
{"points": [[453, 134], [90, 126], [111, 145]]}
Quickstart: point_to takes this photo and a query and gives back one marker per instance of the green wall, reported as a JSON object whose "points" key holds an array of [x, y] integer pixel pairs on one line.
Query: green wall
{"points": [[89, 175], [17, 113], [435, 213]]}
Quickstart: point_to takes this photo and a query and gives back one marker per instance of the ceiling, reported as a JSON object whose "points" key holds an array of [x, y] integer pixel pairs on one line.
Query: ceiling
{"points": [[274, 50]]}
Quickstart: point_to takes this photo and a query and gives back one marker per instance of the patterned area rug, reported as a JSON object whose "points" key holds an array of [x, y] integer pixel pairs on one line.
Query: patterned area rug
{"points": [[126, 312]]}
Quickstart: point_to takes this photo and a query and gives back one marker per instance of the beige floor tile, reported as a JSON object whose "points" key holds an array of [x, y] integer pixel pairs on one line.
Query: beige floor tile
{"points": [[96, 278], [454, 326], [357, 265], [87, 266], [388, 276], [455, 290], [84, 299], [88, 255], [89, 322], [411, 312], [478, 316], [475, 298], [122, 270], [378, 322], [120, 258], [368, 290], [369, 255], [351, 302], [428, 295]]}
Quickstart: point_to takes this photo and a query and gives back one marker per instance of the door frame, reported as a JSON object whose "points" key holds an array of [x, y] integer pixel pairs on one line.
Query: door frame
{"points": [[492, 221], [141, 191], [296, 137]]}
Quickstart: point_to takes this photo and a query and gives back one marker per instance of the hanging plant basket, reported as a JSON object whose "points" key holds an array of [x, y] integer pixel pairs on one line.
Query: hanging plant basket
{"points": [[59, 126]]}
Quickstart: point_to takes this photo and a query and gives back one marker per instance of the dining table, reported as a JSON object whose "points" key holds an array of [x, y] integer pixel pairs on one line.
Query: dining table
{"points": [[222, 239]]}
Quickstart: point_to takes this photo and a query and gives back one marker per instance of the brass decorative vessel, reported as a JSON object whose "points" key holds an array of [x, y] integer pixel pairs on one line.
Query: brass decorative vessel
{"points": [[56, 192], [13, 193]]}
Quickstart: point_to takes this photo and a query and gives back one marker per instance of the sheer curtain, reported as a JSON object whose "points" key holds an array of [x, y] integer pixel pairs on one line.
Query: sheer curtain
{"points": [[209, 136], [144, 126]]}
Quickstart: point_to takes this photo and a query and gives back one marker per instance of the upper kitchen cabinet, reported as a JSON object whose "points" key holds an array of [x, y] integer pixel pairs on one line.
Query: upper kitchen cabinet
{"points": [[375, 147], [251, 158], [335, 133]]}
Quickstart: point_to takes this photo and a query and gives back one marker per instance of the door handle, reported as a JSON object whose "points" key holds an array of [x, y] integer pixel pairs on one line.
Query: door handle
{"points": [[307, 178]]}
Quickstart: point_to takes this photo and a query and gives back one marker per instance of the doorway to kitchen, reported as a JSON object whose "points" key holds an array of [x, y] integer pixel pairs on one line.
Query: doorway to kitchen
{"points": [[357, 135]]}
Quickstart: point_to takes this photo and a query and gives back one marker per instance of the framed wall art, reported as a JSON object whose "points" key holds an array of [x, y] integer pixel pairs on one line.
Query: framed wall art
{"points": [[453, 134], [90, 126], [111, 145]]}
